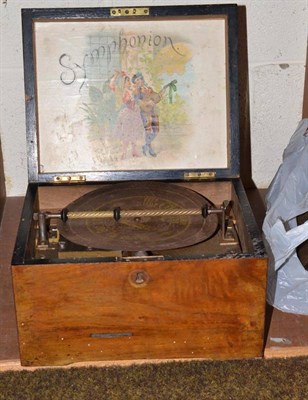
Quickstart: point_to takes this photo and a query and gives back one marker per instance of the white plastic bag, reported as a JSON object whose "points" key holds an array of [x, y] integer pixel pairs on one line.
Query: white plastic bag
{"points": [[287, 198]]}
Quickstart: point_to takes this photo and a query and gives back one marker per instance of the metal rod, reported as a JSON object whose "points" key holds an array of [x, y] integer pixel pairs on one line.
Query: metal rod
{"points": [[117, 213], [43, 238], [132, 213]]}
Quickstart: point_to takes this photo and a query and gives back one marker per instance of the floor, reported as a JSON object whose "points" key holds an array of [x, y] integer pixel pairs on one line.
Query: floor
{"points": [[286, 335]]}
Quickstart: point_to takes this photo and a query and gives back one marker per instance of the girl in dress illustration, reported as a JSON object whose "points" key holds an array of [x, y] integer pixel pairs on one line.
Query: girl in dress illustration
{"points": [[129, 126]]}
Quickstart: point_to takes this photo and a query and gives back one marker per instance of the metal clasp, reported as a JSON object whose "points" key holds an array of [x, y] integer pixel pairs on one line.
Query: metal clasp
{"points": [[69, 179], [129, 12], [199, 176]]}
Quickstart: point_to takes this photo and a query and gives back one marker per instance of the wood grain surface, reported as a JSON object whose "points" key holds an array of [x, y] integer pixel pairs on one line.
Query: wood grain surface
{"points": [[194, 309]]}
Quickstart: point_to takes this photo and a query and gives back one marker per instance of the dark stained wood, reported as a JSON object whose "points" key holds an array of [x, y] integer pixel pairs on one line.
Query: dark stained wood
{"points": [[243, 99], [302, 250], [256, 199], [197, 309]]}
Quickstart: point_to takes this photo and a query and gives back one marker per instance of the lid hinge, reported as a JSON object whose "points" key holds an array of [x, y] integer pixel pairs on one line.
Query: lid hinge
{"points": [[69, 179], [199, 176]]}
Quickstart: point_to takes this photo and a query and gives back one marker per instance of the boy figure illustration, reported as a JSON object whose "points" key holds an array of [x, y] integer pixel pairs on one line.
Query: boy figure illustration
{"points": [[147, 100]]}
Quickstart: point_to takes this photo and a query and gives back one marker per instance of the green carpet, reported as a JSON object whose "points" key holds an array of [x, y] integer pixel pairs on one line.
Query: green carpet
{"points": [[277, 379]]}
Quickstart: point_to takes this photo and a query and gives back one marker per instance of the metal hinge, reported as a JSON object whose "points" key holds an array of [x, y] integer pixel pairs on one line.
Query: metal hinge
{"points": [[129, 12], [69, 179], [199, 176]]}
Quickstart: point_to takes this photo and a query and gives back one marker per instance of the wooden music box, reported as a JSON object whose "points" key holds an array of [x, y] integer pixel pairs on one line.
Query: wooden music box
{"points": [[136, 239]]}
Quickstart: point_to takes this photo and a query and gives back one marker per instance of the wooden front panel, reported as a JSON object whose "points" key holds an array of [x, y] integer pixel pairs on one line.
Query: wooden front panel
{"points": [[184, 309]]}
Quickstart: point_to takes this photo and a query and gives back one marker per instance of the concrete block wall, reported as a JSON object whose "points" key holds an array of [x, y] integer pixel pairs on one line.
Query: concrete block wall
{"points": [[276, 46]]}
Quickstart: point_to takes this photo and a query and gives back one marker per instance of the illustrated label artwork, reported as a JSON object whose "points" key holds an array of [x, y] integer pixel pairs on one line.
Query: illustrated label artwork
{"points": [[116, 95]]}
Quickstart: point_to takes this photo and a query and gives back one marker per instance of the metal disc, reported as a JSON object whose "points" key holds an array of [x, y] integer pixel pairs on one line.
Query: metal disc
{"points": [[140, 233]]}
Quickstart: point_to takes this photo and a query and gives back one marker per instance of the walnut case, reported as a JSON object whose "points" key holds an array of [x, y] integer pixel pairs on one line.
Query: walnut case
{"points": [[92, 305]]}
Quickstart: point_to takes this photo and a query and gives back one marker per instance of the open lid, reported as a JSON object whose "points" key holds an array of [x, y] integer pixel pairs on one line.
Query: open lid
{"points": [[131, 93]]}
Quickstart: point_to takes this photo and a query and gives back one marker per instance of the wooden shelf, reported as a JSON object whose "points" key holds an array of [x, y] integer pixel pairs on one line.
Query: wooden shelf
{"points": [[2, 185], [9, 353], [287, 333]]}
